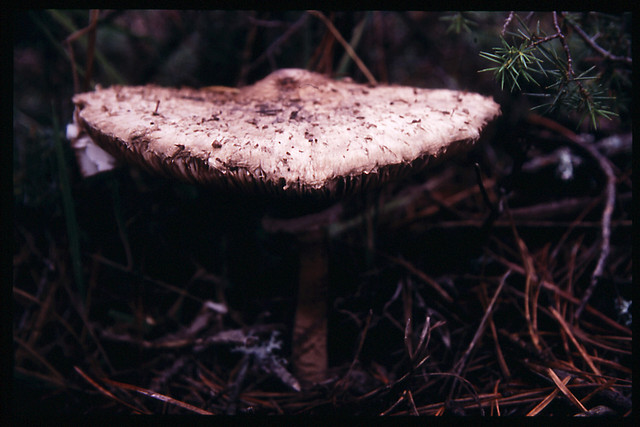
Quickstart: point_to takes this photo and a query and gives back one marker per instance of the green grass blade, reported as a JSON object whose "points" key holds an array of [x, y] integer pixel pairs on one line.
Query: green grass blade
{"points": [[355, 40], [69, 209]]}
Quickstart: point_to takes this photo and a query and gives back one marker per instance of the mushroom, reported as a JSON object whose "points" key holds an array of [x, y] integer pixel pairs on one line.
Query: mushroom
{"points": [[297, 135]]}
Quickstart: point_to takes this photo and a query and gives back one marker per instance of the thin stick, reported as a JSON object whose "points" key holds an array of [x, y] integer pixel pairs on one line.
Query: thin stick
{"points": [[268, 54], [591, 42], [563, 388], [540, 406], [161, 397], [420, 274], [506, 23], [107, 392], [345, 45], [463, 360], [413, 403], [400, 399], [610, 195], [610, 198], [575, 342], [501, 360], [565, 45], [355, 39], [483, 191], [40, 358], [93, 21], [530, 304], [497, 402], [359, 350], [564, 294]]}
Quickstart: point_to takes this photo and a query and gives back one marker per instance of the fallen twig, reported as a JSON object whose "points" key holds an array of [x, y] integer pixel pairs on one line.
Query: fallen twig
{"points": [[420, 274], [610, 197], [268, 54], [575, 342], [563, 388], [158, 396], [345, 45], [539, 407], [459, 366], [108, 393], [591, 42], [91, 29]]}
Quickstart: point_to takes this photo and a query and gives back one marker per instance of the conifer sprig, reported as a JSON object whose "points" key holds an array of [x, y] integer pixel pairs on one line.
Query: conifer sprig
{"points": [[531, 58]]}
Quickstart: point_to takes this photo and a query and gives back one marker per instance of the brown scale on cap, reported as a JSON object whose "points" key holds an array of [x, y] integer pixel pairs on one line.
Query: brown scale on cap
{"points": [[294, 132]]}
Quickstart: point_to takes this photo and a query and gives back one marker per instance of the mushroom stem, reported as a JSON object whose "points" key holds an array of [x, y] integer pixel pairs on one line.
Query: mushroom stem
{"points": [[309, 348], [310, 325]]}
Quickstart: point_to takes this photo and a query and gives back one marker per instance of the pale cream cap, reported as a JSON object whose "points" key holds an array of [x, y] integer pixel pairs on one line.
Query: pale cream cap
{"points": [[294, 132]]}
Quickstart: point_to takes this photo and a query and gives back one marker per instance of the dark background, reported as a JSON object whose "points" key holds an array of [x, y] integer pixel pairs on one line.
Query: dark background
{"points": [[142, 237]]}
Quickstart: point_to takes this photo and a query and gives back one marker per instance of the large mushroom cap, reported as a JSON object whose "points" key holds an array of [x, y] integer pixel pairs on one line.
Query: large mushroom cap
{"points": [[294, 132]]}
